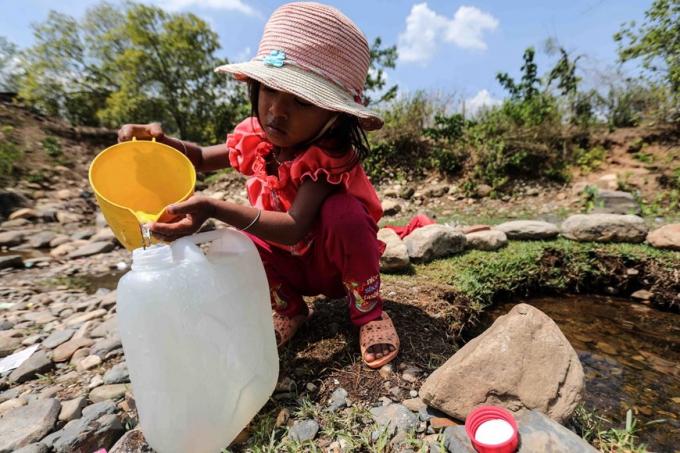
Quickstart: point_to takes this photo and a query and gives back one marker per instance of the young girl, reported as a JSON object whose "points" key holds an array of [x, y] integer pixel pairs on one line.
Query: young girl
{"points": [[314, 211]]}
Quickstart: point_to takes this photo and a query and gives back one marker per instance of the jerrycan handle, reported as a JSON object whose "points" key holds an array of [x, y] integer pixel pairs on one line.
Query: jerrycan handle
{"points": [[225, 240]]}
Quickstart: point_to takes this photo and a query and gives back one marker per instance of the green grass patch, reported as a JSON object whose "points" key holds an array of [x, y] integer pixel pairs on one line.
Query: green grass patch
{"points": [[524, 266]]}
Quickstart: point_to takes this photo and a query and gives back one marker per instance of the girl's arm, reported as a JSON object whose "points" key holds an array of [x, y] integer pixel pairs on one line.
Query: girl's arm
{"points": [[286, 228], [207, 158], [204, 158]]}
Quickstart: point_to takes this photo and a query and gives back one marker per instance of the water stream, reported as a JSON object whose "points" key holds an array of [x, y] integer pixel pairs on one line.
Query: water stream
{"points": [[631, 357]]}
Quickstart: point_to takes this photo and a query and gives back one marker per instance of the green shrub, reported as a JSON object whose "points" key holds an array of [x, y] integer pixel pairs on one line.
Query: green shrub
{"points": [[589, 159], [9, 152], [52, 147]]}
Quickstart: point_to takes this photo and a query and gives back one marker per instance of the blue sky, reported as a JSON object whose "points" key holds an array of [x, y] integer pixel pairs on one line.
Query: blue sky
{"points": [[449, 47]]}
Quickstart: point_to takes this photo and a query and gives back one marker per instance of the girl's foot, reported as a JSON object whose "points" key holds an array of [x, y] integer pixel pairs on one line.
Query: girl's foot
{"points": [[285, 327], [379, 341]]}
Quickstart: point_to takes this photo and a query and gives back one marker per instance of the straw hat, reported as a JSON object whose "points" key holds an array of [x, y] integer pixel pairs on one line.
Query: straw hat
{"points": [[316, 53]]}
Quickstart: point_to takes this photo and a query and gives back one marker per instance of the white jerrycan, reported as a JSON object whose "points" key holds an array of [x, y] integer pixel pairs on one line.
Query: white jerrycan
{"points": [[198, 339]]}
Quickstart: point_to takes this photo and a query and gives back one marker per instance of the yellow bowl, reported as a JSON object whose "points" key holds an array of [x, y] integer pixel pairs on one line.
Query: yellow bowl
{"points": [[134, 182]]}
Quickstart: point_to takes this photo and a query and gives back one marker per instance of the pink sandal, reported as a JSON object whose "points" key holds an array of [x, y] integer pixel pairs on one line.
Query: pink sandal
{"points": [[379, 331], [285, 327]]}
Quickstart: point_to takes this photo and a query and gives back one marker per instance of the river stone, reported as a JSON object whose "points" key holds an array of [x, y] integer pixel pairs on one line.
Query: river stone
{"points": [[39, 317], [338, 399], [433, 241], [615, 202], [93, 248], [486, 240], [106, 345], [80, 318], [9, 341], [16, 223], [604, 228], [99, 427], [390, 207], [537, 369], [57, 337], [72, 409], [103, 235], [528, 230], [27, 424], [105, 329], [108, 392], [395, 417], [64, 351], [10, 199], [59, 240], [11, 261], [11, 238], [42, 239], [12, 404], [395, 258], [540, 433], [304, 430], [117, 375], [132, 442], [666, 237], [24, 213], [33, 448], [38, 362]]}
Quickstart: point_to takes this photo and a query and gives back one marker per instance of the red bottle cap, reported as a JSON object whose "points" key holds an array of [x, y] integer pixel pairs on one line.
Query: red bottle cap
{"points": [[485, 414]]}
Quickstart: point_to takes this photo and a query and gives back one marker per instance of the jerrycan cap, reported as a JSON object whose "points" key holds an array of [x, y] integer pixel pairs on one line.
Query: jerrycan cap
{"points": [[154, 257]]}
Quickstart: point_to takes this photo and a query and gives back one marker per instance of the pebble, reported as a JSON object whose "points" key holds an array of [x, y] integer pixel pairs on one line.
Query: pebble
{"points": [[108, 392], [72, 409], [282, 418], [89, 362], [304, 430]]}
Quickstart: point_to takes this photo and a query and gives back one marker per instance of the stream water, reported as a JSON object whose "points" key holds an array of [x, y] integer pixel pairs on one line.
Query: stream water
{"points": [[631, 358]]}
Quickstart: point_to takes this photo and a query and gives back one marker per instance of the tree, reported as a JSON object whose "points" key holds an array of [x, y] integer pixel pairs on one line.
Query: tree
{"points": [[656, 41], [136, 65], [527, 88], [8, 65], [376, 80]]}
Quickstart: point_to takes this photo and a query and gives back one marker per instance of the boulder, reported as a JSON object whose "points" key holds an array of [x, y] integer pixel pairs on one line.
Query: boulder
{"points": [[27, 424], [486, 240], [523, 361], [395, 258], [434, 241], [666, 237], [528, 230], [604, 228]]}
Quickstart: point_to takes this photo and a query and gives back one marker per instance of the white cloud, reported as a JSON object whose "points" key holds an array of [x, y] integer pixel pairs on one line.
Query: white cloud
{"points": [[479, 102], [225, 5], [425, 28]]}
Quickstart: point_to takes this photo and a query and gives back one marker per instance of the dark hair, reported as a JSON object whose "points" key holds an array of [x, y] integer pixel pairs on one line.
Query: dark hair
{"points": [[345, 136]]}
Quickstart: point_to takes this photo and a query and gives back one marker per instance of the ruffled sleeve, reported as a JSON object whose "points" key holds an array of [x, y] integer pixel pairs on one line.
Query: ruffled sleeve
{"points": [[247, 147], [315, 163]]}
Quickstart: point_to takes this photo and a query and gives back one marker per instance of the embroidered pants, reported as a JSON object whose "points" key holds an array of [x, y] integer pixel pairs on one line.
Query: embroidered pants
{"points": [[344, 260]]}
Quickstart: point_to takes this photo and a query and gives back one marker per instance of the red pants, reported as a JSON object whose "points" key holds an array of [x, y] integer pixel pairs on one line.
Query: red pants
{"points": [[343, 261]]}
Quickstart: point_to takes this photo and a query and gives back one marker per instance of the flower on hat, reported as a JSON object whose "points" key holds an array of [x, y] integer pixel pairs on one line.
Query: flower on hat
{"points": [[275, 58]]}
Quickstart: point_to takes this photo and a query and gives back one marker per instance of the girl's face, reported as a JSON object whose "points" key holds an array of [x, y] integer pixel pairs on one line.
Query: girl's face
{"points": [[288, 120]]}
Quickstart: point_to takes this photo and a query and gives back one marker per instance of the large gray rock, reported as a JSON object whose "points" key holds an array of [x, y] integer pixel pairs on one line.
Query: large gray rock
{"points": [[38, 362], [528, 230], [666, 237], [537, 433], [117, 375], [33, 448], [604, 228], [99, 427], [523, 361], [395, 258], [27, 424], [434, 241], [488, 240], [304, 430], [615, 202]]}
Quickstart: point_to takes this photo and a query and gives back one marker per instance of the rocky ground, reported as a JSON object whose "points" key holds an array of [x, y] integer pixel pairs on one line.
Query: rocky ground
{"points": [[59, 265]]}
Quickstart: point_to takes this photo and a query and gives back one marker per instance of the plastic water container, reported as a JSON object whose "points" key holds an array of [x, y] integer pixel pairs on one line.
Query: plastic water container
{"points": [[198, 338]]}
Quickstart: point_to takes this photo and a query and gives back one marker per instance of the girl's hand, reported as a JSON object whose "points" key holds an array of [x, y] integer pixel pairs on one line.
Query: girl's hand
{"points": [[187, 218], [140, 132]]}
